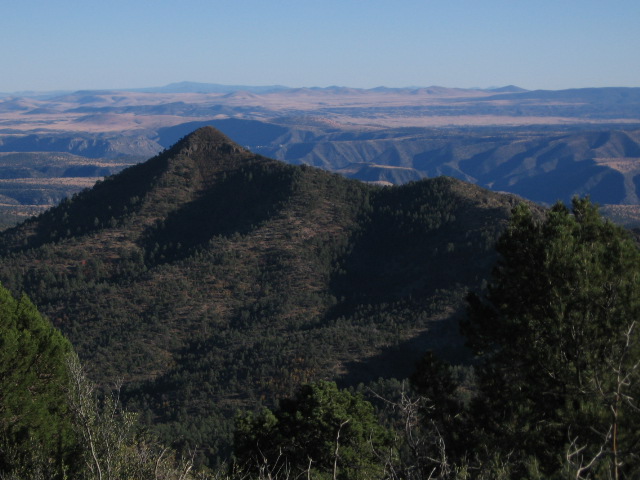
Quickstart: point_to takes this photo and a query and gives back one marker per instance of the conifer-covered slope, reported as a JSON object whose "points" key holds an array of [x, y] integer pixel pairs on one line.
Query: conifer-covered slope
{"points": [[210, 278]]}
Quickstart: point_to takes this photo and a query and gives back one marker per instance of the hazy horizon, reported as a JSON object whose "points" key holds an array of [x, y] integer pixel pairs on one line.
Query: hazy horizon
{"points": [[70, 46], [292, 87]]}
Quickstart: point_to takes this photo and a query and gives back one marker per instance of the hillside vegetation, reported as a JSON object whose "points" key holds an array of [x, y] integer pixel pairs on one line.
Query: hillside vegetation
{"points": [[210, 279], [264, 319]]}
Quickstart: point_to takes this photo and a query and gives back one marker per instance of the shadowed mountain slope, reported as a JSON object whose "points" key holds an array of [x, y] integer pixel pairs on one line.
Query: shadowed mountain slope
{"points": [[210, 278]]}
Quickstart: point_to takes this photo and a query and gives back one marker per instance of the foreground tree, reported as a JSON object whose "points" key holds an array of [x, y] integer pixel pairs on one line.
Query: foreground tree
{"points": [[36, 436], [558, 344], [53, 424], [438, 436], [323, 431]]}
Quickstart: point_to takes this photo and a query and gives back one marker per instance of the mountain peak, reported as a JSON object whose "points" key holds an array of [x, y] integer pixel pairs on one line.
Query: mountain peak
{"points": [[209, 150], [207, 137]]}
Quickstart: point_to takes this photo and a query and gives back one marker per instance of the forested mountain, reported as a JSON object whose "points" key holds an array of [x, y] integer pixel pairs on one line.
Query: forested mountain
{"points": [[210, 278], [216, 282]]}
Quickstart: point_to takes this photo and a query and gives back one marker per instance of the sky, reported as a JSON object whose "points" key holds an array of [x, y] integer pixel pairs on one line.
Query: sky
{"points": [[50, 45]]}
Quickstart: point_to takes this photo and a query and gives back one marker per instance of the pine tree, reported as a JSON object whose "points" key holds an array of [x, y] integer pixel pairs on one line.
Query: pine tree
{"points": [[557, 337], [35, 432], [322, 431]]}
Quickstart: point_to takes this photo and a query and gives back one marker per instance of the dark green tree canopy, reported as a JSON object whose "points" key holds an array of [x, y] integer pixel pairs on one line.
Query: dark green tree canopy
{"points": [[321, 428], [33, 383], [557, 339]]}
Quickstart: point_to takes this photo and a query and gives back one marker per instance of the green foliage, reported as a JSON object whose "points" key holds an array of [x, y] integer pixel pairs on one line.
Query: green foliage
{"points": [[440, 409], [35, 431], [321, 430], [433, 379], [558, 342], [416, 232], [220, 211]]}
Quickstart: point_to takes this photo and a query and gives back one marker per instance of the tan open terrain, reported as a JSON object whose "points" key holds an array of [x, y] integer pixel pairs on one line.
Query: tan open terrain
{"points": [[424, 107]]}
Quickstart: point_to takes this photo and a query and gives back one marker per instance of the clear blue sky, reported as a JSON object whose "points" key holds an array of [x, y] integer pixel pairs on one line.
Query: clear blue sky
{"points": [[548, 44]]}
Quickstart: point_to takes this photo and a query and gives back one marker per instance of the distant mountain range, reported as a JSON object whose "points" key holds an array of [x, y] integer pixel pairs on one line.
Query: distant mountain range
{"points": [[543, 145], [200, 87], [196, 87]]}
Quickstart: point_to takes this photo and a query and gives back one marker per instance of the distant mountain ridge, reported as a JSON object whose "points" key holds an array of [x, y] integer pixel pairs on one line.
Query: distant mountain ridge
{"points": [[203, 87], [197, 87], [507, 88], [541, 166]]}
